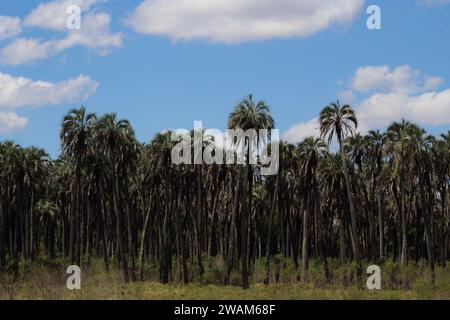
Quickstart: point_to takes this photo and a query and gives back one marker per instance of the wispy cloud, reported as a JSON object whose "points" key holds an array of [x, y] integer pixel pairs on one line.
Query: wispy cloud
{"points": [[9, 27]]}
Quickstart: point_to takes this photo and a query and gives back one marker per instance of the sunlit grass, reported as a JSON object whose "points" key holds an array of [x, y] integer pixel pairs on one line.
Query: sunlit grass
{"points": [[39, 282]]}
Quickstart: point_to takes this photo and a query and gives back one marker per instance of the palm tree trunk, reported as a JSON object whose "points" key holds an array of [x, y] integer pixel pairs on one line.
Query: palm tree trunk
{"points": [[244, 225], [103, 233], [321, 231], [354, 237], [182, 248], [199, 219], [404, 246], [380, 223], [232, 232], [119, 225], [443, 223], [269, 230], [143, 239], [2, 237], [130, 242], [305, 241]]}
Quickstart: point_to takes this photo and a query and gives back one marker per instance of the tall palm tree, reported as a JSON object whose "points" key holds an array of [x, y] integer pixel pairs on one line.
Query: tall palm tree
{"points": [[332, 183], [422, 155], [116, 139], [375, 144], [108, 197], [399, 144], [310, 151], [248, 115], [287, 157], [441, 165], [162, 146], [340, 121], [35, 163], [76, 137]]}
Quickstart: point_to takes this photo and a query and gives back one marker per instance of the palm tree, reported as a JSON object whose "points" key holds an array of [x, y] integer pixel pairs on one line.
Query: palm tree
{"points": [[375, 144], [284, 176], [310, 151], [248, 115], [12, 199], [399, 146], [162, 146], [422, 144], [116, 139], [340, 121], [332, 183], [76, 137], [108, 197], [441, 164], [35, 169]]}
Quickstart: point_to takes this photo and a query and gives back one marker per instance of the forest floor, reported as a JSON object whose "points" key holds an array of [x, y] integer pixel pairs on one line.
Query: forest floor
{"points": [[50, 284], [156, 291]]}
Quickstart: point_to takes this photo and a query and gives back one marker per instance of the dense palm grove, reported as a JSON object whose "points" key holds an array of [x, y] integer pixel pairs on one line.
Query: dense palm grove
{"points": [[380, 196]]}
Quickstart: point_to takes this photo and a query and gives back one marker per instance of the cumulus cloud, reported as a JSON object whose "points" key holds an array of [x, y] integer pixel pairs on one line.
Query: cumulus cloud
{"points": [[95, 34], [401, 79], [399, 92], [302, 130], [25, 50], [379, 110], [9, 27], [53, 15], [236, 21], [19, 92], [383, 95], [10, 122]]}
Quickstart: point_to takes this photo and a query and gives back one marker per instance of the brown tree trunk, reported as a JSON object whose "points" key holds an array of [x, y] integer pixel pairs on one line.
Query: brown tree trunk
{"points": [[231, 234], [120, 231], [305, 241], [269, 230], [354, 233]]}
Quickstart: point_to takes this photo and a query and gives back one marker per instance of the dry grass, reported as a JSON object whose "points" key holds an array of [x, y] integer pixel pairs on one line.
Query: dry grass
{"points": [[50, 284]]}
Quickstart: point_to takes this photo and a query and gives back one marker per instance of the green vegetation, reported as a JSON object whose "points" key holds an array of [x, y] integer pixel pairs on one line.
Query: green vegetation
{"points": [[379, 198], [44, 281]]}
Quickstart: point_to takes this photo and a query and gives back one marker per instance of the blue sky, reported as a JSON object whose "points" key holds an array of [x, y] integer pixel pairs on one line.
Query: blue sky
{"points": [[163, 64]]}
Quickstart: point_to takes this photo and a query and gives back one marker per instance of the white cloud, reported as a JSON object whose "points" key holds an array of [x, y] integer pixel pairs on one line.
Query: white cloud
{"points": [[9, 27], [19, 92], [53, 15], [10, 122], [401, 79], [379, 110], [302, 130], [95, 34], [236, 21], [383, 95], [25, 50], [397, 93]]}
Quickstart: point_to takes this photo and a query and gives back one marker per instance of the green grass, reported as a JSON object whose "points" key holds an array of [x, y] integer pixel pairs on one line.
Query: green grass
{"points": [[47, 280], [156, 291]]}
